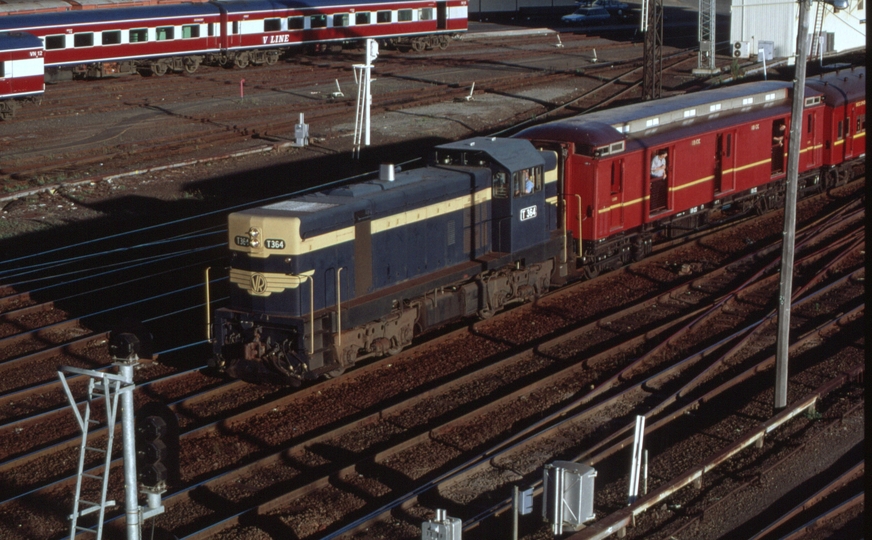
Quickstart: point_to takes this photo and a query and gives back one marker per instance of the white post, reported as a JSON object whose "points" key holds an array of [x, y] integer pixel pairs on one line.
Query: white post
{"points": [[636, 461]]}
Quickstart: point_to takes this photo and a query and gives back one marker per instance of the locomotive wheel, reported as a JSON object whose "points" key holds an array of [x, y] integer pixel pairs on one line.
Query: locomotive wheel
{"points": [[418, 45], [159, 68], [335, 373], [591, 271], [443, 42]]}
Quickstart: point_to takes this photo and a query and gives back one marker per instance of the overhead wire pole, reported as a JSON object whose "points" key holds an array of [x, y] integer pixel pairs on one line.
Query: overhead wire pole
{"points": [[652, 27], [792, 179]]}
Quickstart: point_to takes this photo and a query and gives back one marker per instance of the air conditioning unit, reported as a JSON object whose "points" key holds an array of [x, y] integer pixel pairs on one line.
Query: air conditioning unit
{"points": [[742, 49]]}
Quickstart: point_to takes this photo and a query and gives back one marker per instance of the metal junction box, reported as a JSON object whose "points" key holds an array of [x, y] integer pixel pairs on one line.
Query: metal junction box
{"points": [[568, 492], [442, 527]]}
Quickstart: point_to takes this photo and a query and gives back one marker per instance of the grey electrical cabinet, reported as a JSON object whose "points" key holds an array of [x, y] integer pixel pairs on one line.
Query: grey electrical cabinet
{"points": [[442, 527], [568, 492]]}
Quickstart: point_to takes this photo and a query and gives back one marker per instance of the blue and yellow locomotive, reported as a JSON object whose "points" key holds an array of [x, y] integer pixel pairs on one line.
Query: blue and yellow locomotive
{"points": [[324, 280]]}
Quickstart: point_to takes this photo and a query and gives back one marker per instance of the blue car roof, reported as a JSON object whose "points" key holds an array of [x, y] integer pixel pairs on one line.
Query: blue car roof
{"points": [[19, 40]]}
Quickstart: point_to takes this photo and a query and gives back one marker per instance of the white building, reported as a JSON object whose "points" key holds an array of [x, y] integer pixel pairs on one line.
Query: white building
{"points": [[756, 24]]}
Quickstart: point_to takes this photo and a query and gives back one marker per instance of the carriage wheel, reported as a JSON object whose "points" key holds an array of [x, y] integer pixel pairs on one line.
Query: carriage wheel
{"points": [[241, 61], [191, 65], [272, 58], [158, 68], [443, 43], [418, 45]]}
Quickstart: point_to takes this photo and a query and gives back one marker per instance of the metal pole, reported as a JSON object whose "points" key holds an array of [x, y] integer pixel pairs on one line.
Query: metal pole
{"points": [[515, 513], [793, 149], [128, 433]]}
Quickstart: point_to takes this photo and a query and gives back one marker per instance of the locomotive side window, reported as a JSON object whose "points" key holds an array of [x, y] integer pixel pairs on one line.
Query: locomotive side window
{"points": [[861, 123], [404, 15], [839, 133], [383, 17], [55, 42], [500, 186], [111, 37], [272, 25], [425, 14], [165, 33], [138, 35], [85, 39], [191, 31], [340, 19], [361, 18], [318, 21], [296, 23]]}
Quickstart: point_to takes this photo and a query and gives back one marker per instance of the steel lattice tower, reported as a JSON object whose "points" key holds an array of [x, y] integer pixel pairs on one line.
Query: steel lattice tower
{"points": [[652, 26]]}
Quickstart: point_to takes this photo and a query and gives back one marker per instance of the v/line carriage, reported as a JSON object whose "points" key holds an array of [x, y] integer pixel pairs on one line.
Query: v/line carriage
{"points": [[156, 39], [321, 281]]}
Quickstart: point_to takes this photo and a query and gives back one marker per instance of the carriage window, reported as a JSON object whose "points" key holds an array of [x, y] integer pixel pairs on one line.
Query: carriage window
{"points": [[272, 25], [340, 19], [361, 18], [295, 23], [55, 42], [83, 40], [318, 21], [2, 69], [861, 123], [235, 29], [383, 17], [425, 14], [164, 33], [138, 35], [501, 187], [191, 31], [404, 15], [210, 29], [112, 37]]}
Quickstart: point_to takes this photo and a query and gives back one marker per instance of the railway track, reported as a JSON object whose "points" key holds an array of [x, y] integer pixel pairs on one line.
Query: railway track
{"points": [[207, 426], [219, 117]]}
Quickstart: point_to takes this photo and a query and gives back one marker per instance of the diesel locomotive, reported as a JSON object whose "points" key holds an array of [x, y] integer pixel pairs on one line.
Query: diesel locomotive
{"points": [[321, 281]]}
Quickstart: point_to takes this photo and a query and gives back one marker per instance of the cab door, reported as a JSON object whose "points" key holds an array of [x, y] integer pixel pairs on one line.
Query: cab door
{"points": [[616, 208], [725, 162], [519, 219]]}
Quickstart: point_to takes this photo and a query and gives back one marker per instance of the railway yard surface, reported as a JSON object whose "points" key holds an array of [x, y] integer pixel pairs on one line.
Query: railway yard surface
{"points": [[101, 174]]}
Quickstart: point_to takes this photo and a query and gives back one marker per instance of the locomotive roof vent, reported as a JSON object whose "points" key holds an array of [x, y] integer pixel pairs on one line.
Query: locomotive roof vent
{"points": [[386, 172]]}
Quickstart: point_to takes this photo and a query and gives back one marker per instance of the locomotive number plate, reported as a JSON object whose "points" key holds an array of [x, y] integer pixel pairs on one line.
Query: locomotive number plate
{"points": [[274, 243], [243, 241], [528, 213]]}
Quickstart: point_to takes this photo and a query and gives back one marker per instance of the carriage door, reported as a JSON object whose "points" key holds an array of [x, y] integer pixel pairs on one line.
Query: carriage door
{"points": [[725, 163], [442, 15], [616, 209]]}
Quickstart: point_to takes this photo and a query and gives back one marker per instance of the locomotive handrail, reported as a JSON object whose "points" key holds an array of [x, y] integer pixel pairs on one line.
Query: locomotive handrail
{"points": [[565, 220], [311, 279], [339, 308]]}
